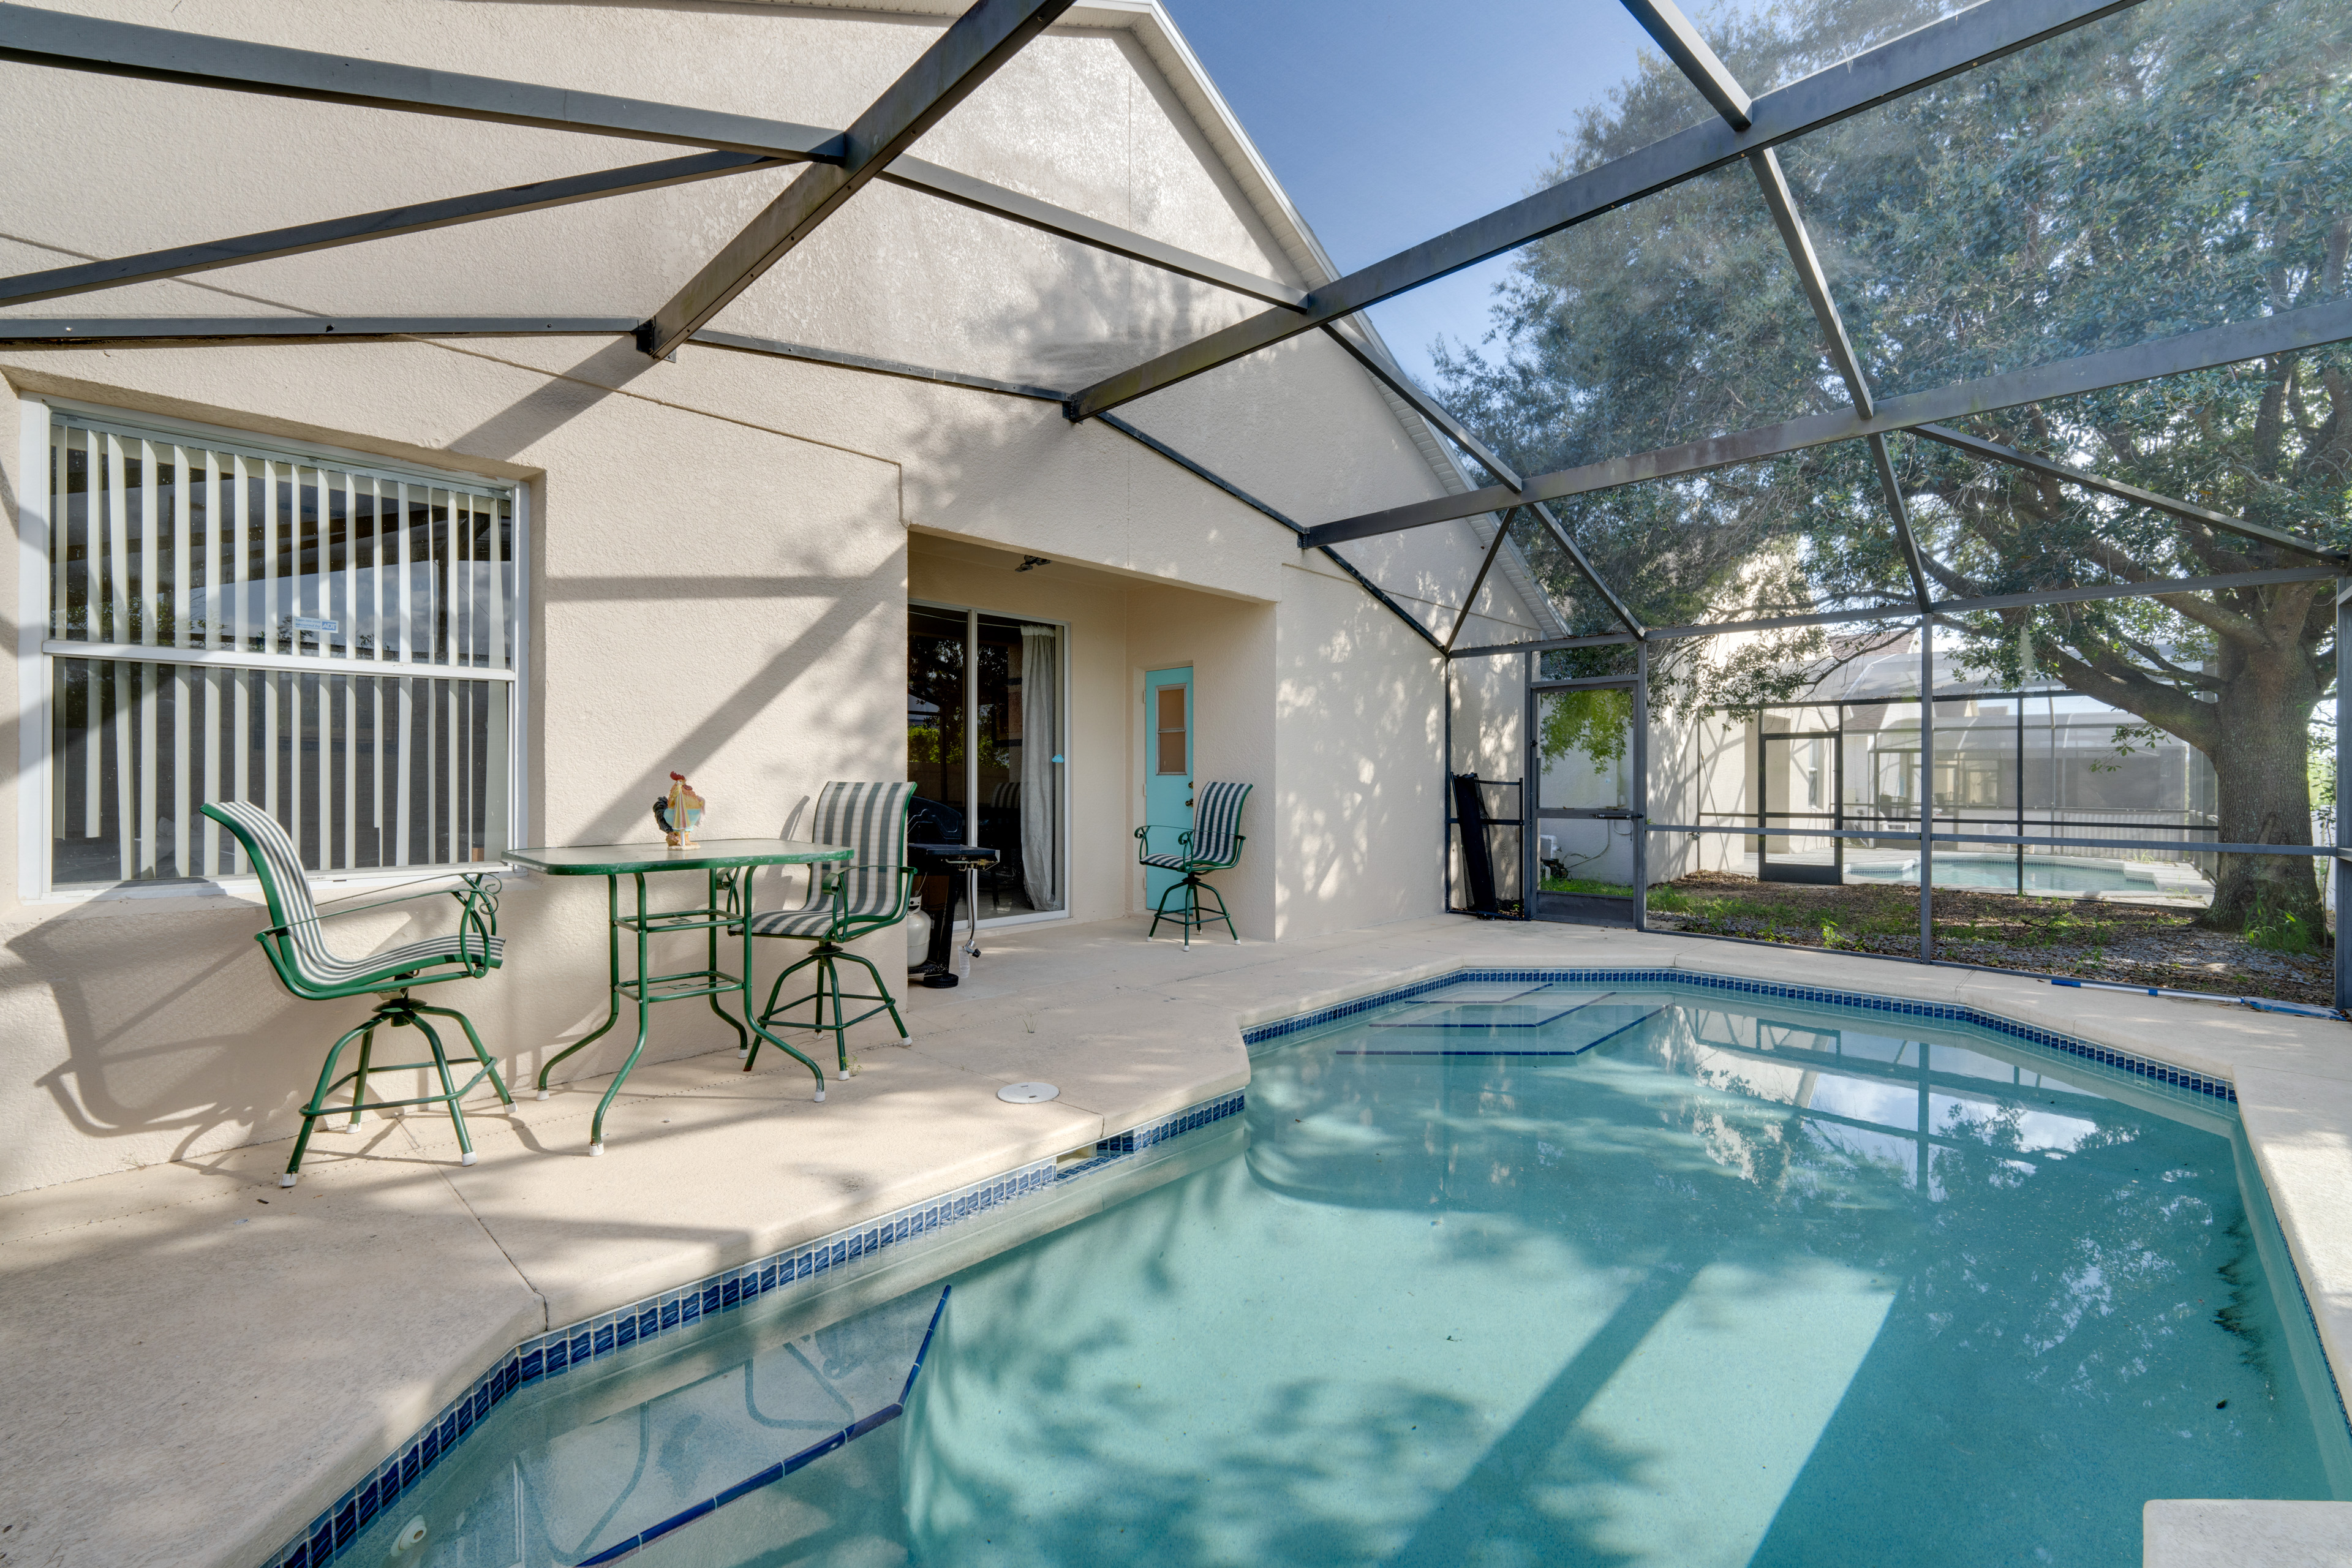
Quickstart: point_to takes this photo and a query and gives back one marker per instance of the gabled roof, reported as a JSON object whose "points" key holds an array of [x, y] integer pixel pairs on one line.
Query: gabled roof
{"points": [[1188, 80]]}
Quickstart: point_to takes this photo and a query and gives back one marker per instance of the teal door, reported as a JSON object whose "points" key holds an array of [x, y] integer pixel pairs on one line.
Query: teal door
{"points": [[1167, 769]]}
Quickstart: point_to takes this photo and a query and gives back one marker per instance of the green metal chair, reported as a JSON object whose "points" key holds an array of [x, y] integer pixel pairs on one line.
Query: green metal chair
{"points": [[314, 972], [845, 901], [1210, 845]]}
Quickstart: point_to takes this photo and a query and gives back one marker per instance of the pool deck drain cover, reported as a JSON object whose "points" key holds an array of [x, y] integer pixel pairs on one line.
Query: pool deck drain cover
{"points": [[1028, 1094]]}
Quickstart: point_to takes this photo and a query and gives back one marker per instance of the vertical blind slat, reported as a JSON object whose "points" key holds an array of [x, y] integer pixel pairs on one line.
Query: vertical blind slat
{"points": [[150, 599], [500, 657], [60, 523], [214, 681], [180, 579]]}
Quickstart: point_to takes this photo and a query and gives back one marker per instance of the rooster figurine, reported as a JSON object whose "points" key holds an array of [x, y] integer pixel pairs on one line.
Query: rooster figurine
{"points": [[679, 814]]}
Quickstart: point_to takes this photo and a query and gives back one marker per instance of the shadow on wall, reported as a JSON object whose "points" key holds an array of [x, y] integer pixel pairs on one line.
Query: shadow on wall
{"points": [[1359, 715], [121, 997], [555, 403]]}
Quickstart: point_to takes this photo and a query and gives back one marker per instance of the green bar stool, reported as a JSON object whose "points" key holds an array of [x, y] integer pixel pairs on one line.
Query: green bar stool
{"points": [[845, 902], [314, 972], [1211, 845]]}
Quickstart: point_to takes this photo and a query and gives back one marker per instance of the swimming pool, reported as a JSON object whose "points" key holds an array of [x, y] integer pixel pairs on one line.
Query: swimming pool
{"points": [[2043, 874], [1505, 1272]]}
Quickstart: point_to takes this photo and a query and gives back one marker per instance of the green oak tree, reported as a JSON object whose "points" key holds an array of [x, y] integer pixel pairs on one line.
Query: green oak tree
{"points": [[2181, 165]]}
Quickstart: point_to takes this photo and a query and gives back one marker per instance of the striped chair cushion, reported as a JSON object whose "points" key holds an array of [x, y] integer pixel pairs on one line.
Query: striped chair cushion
{"points": [[1215, 821], [793, 923], [1165, 862], [871, 819], [288, 887]]}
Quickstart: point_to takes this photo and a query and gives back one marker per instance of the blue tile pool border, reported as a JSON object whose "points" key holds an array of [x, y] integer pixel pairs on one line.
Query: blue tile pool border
{"points": [[551, 1354], [1935, 1012]]}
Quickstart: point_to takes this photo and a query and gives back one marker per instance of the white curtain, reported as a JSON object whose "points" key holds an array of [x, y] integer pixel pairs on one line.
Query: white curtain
{"points": [[1041, 740]]}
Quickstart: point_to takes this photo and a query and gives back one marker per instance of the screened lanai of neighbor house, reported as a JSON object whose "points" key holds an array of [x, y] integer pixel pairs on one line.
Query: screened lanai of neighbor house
{"points": [[1889, 515]]}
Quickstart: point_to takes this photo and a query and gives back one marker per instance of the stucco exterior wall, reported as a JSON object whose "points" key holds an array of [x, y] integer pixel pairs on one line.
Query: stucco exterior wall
{"points": [[719, 553]]}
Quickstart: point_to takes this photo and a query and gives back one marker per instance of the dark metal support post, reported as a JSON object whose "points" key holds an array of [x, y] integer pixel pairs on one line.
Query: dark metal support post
{"points": [[1640, 785], [2340, 868], [1926, 789], [1446, 791], [1530, 796], [2020, 783]]}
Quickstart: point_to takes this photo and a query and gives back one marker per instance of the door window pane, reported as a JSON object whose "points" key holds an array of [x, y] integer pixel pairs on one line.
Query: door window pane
{"points": [[1169, 729]]}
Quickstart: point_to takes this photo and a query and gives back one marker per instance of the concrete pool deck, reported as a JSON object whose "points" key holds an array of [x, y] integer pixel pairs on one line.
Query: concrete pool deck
{"points": [[195, 1361]]}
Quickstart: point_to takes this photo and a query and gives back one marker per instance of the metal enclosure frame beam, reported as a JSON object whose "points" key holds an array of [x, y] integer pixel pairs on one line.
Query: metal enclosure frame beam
{"points": [[1694, 56], [1993, 451], [972, 51], [1942, 607], [1392, 377], [2203, 350], [30, 36], [1944, 47], [67, 331], [1014, 207], [156, 54], [417, 218], [1470, 600]]}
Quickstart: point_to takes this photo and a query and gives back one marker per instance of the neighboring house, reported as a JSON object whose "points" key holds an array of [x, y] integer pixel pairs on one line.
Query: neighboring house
{"points": [[759, 570]]}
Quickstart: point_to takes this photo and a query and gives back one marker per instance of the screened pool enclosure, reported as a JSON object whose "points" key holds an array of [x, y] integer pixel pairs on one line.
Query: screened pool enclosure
{"points": [[1917, 438]]}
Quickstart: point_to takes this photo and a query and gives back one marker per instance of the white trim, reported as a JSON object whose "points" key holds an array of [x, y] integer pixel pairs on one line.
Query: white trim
{"points": [[1034, 917], [33, 718], [519, 699], [248, 889], [236, 659], [251, 444]]}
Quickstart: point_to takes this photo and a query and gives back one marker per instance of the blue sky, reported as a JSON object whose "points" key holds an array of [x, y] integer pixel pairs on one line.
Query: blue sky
{"points": [[1392, 121]]}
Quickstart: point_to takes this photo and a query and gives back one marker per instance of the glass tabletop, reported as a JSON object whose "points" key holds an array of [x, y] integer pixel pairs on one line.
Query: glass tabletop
{"points": [[709, 854]]}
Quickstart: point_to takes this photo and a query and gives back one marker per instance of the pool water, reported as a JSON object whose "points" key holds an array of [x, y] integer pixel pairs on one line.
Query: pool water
{"points": [[2000, 871], [1506, 1273]]}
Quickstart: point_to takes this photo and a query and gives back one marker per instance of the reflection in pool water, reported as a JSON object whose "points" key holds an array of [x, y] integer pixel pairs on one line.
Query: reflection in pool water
{"points": [[1517, 1274]]}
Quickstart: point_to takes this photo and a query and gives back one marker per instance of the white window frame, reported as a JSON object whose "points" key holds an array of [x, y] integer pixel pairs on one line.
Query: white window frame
{"points": [[1064, 780], [35, 674]]}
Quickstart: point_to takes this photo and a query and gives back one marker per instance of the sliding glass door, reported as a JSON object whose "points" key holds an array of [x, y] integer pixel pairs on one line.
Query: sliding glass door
{"points": [[984, 747]]}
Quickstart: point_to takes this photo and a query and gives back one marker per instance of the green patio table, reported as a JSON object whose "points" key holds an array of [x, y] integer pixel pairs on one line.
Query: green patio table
{"points": [[727, 864]]}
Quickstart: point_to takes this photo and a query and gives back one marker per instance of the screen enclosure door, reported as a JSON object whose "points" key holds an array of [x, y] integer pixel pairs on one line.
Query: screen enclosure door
{"points": [[1584, 757]]}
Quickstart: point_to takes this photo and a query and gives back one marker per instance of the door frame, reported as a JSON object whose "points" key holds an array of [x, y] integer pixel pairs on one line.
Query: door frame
{"points": [[1835, 815], [1139, 705], [1069, 751], [1587, 908]]}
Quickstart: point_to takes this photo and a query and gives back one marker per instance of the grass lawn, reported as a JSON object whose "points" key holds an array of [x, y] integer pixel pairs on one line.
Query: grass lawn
{"points": [[2135, 944]]}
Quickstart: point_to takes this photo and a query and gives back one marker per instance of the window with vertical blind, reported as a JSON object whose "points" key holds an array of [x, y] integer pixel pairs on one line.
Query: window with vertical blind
{"points": [[335, 640]]}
